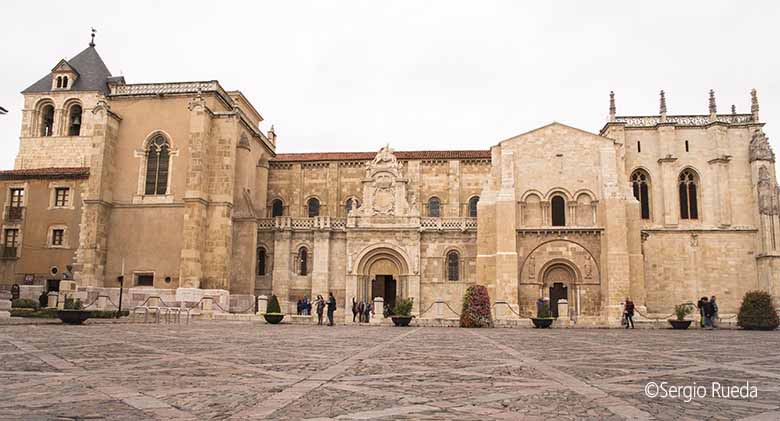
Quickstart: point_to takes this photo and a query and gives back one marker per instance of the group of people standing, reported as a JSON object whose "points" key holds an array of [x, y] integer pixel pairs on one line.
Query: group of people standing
{"points": [[708, 310], [361, 311], [320, 305]]}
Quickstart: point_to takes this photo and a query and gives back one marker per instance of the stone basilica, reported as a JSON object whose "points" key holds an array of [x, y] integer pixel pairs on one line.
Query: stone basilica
{"points": [[174, 186]]}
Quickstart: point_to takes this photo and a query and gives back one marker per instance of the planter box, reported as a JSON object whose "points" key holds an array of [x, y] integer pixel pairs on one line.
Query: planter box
{"points": [[273, 318], [542, 323], [401, 321], [680, 324], [73, 317]]}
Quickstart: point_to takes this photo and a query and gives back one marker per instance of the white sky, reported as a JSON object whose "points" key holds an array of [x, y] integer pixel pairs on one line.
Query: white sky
{"points": [[352, 75]]}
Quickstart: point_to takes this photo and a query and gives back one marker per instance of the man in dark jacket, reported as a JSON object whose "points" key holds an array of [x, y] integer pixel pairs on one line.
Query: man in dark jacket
{"points": [[331, 308], [700, 306], [708, 308], [628, 312]]}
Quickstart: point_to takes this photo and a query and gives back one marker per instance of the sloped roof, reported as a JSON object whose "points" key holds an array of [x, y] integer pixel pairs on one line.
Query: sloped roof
{"points": [[365, 156], [45, 173], [93, 74]]}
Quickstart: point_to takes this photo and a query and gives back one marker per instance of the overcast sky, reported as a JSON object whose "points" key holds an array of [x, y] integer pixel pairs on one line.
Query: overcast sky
{"points": [[352, 75]]}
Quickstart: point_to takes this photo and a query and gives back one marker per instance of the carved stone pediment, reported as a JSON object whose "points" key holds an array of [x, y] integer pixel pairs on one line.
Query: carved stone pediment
{"points": [[384, 187]]}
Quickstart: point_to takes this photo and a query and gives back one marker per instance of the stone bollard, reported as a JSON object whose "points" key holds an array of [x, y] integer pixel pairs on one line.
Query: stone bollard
{"points": [[5, 304], [51, 299], [208, 305], [439, 308], [101, 302], [563, 309], [379, 310], [262, 304]]}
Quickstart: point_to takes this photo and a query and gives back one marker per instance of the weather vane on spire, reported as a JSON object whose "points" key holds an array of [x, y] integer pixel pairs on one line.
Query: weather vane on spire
{"points": [[92, 43]]}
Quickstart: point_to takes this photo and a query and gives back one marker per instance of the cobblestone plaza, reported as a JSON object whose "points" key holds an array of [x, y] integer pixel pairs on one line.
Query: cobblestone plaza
{"points": [[246, 370]]}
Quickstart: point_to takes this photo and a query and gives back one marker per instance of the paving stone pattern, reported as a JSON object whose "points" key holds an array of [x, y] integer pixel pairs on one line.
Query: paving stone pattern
{"points": [[245, 370]]}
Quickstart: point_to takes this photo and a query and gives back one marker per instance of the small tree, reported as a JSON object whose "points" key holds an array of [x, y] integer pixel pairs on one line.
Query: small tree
{"points": [[682, 310], [757, 312], [544, 311], [476, 308], [403, 307], [273, 306]]}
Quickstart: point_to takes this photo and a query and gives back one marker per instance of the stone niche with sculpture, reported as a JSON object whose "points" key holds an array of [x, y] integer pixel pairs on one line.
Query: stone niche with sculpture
{"points": [[387, 199]]}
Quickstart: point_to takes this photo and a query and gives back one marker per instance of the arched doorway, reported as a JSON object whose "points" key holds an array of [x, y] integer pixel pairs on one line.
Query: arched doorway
{"points": [[558, 280], [382, 272]]}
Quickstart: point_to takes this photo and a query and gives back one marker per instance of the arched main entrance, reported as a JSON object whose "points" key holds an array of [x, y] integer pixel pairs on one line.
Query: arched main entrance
{"points": [[558, 280], [382, 272]]}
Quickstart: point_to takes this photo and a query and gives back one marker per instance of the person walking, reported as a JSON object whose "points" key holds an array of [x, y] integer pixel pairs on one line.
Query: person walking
{"points": [[331, 308], [367, 312], [700, 306], [354, 309], [361, 307], [708, 309], [628, 312], [320, 308], [714, 320]]}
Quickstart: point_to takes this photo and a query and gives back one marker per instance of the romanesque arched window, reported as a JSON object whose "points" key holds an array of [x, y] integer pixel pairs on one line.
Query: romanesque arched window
{"points": [[640, 184], [689, 199], [47, 120], [473, 206], [261, 256], [157, 160], [351, 204], [64, 82], [74, 120], [313, 207], [453, 266], [434, 207], [558, 211], [59, 81], [303, 261], [277, 208]]}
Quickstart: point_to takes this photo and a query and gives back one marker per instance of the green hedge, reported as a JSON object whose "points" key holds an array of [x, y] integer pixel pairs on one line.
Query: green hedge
{"points": [[757, 312], [24, 303]]}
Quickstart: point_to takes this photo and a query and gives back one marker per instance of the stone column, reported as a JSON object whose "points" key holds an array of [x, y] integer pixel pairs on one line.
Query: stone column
{"points": [[379, 310], [195, 196], [615, 263], [262, 304], [506, 235], [282, 268], [723, 190], [92, 252], [320, 270], [351, 290]]}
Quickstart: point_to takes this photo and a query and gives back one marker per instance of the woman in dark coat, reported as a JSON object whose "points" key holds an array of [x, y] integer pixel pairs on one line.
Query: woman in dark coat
{"points": [[331, 308]]}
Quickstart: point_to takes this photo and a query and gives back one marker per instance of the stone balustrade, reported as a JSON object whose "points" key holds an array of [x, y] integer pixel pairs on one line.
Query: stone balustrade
{"points": [[340, 224]]}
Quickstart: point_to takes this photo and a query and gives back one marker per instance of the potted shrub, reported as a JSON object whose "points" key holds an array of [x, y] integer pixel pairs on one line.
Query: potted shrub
{"points": [[680, 312], [757, 312], [402, 312], [273, 314], [476, 308], [543, 319], [72, 313]]}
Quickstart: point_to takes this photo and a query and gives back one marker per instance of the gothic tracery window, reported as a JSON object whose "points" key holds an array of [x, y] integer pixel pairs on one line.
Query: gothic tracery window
{"points": [[453, 266], [313, 207], [157, 160], [640, 184], [277, 208], [473, 206], [558, 211], [689, 199], [434, 207]]}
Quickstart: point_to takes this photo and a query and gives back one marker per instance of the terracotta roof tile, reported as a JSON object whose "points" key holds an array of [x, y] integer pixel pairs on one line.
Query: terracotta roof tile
{"points": [[33, 173], [365, 156]]}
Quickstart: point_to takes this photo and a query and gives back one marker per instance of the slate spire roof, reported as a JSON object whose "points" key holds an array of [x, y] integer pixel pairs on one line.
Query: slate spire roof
{"points": [[92, 72]]}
